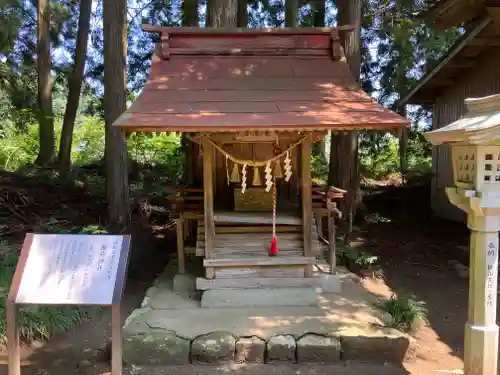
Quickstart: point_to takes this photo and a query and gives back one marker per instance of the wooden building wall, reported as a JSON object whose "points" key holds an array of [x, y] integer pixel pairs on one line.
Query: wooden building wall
{"points": [[482, 80]]}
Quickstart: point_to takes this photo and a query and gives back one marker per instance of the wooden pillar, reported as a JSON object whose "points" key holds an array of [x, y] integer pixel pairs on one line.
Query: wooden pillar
{"points": [[117, 339], [180, 244], [332, 242], [13, 348], [209, 203], [306, 192]]}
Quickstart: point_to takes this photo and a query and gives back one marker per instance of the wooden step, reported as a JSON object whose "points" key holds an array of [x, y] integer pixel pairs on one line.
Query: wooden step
{"points": [[283, 272], [256, 218], [252, 229], [259, 261], [257, 283], [263, 237], [288, 247]]}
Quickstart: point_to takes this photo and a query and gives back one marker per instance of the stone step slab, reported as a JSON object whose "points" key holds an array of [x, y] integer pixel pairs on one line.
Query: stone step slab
{"points": [[260, 298]]}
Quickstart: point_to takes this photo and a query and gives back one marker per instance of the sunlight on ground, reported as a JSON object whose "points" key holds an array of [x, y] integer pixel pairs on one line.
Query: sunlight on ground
{"points": [[423, 360]]}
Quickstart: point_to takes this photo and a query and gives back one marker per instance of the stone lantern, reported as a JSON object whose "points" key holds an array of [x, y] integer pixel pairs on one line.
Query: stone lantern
{"points": [[475, 150]]}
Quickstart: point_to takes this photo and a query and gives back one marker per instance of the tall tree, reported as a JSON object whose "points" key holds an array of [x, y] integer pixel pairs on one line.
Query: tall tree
{"points": [[44, 65], [318, 19], [242, 16], [115, 50], [222, 13], [189, 18], [318, 7], [291, 13], [189, 13], [344, 163], [75, 87]]}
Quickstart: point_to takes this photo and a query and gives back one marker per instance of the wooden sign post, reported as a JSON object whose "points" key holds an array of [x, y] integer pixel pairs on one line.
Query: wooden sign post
{"points": [[69, 269]]}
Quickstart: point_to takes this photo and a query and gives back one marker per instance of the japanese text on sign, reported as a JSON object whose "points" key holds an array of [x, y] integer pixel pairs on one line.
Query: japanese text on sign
{"points": [[490, 272], [70, 269]]}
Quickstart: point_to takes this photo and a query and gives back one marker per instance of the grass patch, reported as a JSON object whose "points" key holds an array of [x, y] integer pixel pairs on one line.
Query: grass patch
{"points": [[35, 323], [407, 314]]}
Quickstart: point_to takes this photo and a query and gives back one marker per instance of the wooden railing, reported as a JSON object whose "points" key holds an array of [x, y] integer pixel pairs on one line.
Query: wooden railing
{"points": [[324, 205], [182, 199], [323, 196]]}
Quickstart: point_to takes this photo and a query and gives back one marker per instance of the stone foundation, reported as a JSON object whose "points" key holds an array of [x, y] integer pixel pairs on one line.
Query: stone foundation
{"points": [[222, 347], [172, 328]]}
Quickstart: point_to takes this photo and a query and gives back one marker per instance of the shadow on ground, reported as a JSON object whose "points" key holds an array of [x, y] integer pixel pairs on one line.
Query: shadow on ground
{"points": [[414, 253]]}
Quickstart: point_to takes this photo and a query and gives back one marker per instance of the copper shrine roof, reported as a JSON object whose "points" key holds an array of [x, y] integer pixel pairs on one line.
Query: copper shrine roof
{"points": [[250, 79]]}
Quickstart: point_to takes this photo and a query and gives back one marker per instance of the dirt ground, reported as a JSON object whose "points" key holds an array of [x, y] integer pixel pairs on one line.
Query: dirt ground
{"points": [[414, 256]]}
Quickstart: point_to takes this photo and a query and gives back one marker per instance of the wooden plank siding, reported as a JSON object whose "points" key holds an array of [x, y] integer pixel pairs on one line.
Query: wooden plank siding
{"points": [[482, 80]]}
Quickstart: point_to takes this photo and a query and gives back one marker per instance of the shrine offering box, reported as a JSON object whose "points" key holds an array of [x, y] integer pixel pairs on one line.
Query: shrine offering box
{"points": [[254, 199]]}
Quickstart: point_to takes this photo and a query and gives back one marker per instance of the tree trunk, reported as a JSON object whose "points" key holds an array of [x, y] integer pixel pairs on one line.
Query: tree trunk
{"points": [[291, 13], [223, 13], [190, 13], [319, 13], [75, 87], [115, 46], [344, 162], [242, 16], [189, 18], [44, 65], [208, 13], [403, 147], [318, 9]]}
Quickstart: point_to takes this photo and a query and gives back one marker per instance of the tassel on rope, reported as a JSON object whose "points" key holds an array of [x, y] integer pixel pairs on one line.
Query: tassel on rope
{"points": [[244, 179], [235, 174], [256, 177], [268, 177], [227, 171], [288, 167]]}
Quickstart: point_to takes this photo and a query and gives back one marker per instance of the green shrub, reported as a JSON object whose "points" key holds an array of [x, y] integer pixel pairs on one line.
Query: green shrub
{"points": [[406, 313], [362, 259], [19, 149], [35, 323]]}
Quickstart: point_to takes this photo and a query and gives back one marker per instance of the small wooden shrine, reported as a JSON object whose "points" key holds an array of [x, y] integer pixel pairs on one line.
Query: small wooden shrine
{"points": [[252, 102]]}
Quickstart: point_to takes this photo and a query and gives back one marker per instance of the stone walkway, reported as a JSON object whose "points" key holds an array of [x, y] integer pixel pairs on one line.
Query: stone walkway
{"points": [[172, 329]]}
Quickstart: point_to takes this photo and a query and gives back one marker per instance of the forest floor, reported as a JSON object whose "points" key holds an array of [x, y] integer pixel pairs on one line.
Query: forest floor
{"points": [[414, 251]]}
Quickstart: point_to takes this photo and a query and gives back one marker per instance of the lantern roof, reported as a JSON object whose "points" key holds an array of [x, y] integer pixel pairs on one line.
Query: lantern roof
{"points": [[480, 125]]}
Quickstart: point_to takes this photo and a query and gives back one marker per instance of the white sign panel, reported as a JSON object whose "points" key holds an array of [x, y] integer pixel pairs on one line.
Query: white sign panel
{"points": [[70, 269]]}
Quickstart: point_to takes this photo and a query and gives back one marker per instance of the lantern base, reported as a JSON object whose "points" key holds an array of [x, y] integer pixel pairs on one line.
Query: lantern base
{"points": [[481, 348]]}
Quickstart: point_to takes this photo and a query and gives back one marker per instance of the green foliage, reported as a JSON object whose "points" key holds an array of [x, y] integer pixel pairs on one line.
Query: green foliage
{"points": [[161, 150], [18, 148], [406, 313], [379, 155], [52, 225], [35, 323], [88, 141], [319, 168], [361, 259]]}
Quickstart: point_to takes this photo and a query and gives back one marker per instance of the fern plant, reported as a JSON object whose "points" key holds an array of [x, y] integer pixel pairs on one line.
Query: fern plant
{"points": [[361, 259], [406, 313]]}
